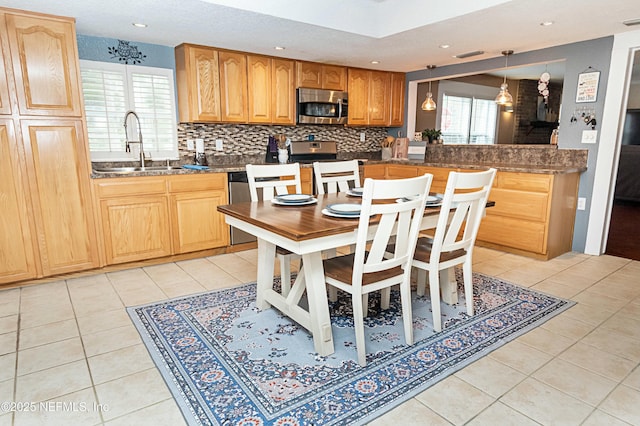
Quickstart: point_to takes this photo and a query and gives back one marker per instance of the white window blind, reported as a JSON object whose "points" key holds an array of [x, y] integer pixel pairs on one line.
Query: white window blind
{"points": [[110, 90], [467, 120]]}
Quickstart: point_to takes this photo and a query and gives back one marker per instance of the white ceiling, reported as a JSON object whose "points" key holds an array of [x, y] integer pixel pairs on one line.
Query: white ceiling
{"points": [[404, 35]]}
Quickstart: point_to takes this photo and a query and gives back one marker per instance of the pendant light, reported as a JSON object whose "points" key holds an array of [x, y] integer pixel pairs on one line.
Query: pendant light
{"points": [[429, 104], [504, 97]]}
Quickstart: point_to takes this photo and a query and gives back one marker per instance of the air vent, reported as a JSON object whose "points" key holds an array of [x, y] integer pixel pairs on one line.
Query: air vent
{"points": [[631, 22], [469, 54]]}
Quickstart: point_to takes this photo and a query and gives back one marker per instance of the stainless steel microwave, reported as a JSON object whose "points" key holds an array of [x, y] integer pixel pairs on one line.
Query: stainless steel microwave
{"points": [[319, 106]]}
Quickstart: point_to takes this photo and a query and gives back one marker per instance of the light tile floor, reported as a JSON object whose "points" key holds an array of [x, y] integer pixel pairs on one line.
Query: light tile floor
{"points": [[71, 344]]}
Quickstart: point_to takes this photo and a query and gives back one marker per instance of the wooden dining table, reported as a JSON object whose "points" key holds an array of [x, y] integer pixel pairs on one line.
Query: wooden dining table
{"points": [[306, 231]]}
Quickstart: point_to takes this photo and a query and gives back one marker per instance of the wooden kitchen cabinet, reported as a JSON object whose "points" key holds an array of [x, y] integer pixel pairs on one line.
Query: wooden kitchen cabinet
{"points": [[58, 169], [134, 215], [369, 97], [271, 94], [321, 76], [45, 64], [396, 99], [5, 68], [233, 86], [17, 255], [375, 171], [198, 81], [195, 220]]}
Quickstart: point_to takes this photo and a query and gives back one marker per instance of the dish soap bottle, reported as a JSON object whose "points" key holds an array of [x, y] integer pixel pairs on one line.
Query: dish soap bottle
{"points": [[554, 137]]}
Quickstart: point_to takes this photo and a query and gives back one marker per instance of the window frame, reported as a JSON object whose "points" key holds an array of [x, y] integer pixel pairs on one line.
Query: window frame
{"points": [[127, 71], [470, 119]]}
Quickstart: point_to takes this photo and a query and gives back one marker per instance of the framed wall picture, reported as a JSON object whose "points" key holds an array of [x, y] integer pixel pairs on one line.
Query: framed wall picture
{"points": [[587, 86]]}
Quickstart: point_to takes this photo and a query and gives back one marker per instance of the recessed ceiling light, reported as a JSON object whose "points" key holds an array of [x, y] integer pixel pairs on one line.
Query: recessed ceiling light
{"points": [[444, 46], [546, 23], [279, 48], [135, 24], [375, 62]]}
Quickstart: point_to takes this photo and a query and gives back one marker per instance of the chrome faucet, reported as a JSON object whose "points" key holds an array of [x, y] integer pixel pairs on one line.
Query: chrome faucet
{"points": [[139, 141]]}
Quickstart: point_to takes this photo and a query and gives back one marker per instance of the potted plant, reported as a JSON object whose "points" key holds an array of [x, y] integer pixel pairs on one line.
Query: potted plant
{"points": [[431, 135]]}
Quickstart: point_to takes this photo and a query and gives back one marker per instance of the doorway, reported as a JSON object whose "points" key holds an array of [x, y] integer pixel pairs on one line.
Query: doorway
{"points": [[624, 233]]}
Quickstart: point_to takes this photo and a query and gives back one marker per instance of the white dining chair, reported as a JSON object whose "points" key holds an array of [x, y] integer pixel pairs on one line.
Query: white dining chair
{"points": [[370, 268], [273, 180], [463, 206], [337, 176]]}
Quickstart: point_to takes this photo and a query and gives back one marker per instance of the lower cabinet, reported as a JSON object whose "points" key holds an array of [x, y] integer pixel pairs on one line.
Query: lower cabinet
{"points": [[151, 216], [533, 215]]}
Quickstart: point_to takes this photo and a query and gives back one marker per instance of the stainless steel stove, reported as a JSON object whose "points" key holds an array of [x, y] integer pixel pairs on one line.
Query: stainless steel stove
{"points": [[310, 151]]}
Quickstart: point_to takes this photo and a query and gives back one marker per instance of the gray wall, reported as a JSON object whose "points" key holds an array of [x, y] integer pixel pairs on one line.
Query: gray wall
{"points": [[578, 58]]}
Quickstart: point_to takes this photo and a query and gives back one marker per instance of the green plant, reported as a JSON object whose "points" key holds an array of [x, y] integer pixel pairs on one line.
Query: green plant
{"points": [[431, 134]]}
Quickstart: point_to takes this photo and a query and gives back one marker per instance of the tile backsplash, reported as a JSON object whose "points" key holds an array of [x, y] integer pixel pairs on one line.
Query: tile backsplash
{"points": [[251, 140]]}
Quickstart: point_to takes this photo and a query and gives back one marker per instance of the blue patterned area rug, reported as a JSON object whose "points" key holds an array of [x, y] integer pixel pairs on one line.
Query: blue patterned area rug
{"points": [[227, 363]]}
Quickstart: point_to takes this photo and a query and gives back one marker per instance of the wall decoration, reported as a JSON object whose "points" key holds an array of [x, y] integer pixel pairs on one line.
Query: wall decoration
{"points": [[587, 86], [127, 53], [543, 85]]}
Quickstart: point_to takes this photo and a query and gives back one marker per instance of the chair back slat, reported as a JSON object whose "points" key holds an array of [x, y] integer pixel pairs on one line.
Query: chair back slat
{"points": [[401, 219], [269, 178], [336, 175], [461, 212]]}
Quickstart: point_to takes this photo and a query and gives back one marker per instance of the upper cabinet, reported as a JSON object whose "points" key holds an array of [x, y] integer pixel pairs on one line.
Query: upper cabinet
{"points": [[397, 99], [198, 81], [321, 76], [45, 65], [5, 66], [271, 90], [376, 98], [233, 86]]}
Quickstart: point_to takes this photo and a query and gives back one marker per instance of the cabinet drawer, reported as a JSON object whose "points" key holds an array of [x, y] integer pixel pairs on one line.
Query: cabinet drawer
{"points": [[122, 187], [401, 172], [519, 204], [524, 181], [519, 234], [375, 171], [207, 182]]}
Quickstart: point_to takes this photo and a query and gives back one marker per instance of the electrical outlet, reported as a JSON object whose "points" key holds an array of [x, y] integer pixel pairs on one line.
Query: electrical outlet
{"points": [[218, 144], [190, 145], [362, 136], [582, 203]]}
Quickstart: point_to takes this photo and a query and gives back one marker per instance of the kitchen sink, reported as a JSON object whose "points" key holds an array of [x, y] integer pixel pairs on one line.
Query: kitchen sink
{"points": [[125, 170]]}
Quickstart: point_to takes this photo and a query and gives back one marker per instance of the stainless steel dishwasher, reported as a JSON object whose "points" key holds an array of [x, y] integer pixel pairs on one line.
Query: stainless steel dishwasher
{"points": [[238, 193]]}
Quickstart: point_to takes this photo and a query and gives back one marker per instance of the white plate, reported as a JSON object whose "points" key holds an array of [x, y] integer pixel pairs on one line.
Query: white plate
{"points": [[357, 190], [341, 216], [298, 203], [350, 209], [293, 198], [434, 199], [354, 194]]}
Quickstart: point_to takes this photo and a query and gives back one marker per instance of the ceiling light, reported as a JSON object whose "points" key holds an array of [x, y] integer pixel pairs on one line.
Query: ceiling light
{"points": [[469, 54], [546, 23], [631, 22], [444, 46], [279, 48], [375, 62], [504, 97], [429, 104], [136, 24]]}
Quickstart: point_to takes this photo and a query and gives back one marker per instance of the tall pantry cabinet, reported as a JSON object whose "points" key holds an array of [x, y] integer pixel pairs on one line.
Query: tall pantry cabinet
{"points": [[47, 221]]}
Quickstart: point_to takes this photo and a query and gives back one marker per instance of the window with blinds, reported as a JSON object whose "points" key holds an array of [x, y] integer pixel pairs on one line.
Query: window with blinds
{"points": [[110, 90], [468, 120]]}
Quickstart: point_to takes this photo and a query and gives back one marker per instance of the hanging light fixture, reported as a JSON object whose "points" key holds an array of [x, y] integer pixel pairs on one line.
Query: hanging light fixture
{"points": [[429, 104], [504, 97]]}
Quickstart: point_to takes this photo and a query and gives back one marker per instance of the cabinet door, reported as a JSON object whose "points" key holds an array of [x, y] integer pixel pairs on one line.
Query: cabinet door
{"points": [[17, 257], [197, 223], [397, 100], [375, 171], [308, 74], [5, 66], [259, 83], [358, 97], [401, 172], [57, 163], [198, 80], [135, 228], [45, 65], [233, 86], [283, 107], [334, 77], [379, 94]]}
